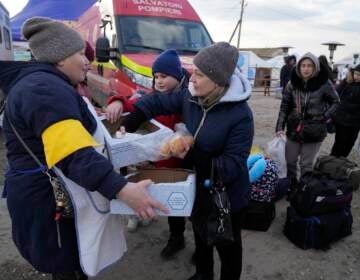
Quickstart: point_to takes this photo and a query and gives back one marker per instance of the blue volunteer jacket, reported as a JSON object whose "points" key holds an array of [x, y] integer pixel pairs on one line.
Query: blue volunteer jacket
{"points": [[40, 100]]}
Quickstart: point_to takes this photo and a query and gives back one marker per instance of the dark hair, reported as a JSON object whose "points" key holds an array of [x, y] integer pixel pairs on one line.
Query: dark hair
{"points": [[323, 60], [325, 64]]}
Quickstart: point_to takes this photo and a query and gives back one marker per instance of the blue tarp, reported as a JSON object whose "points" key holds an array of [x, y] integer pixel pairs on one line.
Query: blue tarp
{"points": [[56, 9]]}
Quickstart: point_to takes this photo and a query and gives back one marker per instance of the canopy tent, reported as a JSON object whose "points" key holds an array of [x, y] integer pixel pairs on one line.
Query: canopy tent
{"points": [[255, 61], [278, 61], [56, 9], [348, 60]]}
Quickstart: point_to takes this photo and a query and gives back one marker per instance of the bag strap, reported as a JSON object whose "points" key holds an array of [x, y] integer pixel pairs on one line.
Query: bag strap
{"points": [[214, 177], [26, 147]]}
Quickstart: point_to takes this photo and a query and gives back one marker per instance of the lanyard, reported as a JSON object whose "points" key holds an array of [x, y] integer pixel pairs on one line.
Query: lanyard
{"points": [[298, 103]]}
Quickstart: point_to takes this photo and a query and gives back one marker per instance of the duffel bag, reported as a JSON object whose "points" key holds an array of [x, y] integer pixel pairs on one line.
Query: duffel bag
{"points": [[259, 215], [339, 168], [318, 195], [317, 232]]}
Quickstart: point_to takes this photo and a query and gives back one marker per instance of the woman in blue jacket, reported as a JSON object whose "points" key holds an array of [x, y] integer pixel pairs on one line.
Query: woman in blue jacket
{"points": [[55, 123], [216, 113]]}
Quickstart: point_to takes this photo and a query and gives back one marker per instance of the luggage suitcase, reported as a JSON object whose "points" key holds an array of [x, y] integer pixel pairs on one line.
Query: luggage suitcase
{"points": [[317, 232], [259, 215]]}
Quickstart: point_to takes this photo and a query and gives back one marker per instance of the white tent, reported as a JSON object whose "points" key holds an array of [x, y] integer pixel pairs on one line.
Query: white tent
{"points": [[348, 60], [255, 61], [278, 61]]}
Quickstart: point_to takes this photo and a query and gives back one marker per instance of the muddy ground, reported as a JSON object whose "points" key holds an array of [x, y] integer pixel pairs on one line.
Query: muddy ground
{"points": [[267, 255]]}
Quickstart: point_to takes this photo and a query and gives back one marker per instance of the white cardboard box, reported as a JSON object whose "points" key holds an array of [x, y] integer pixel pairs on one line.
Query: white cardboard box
{"points": [[134, 149], [174, 188]]}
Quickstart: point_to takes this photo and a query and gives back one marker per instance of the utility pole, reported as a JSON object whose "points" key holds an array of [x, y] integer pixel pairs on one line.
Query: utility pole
{"points": [[238, 25], [240, 22]]}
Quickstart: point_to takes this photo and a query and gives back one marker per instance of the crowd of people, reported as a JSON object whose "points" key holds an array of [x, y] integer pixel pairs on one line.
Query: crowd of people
{"points": [[53, 120]]}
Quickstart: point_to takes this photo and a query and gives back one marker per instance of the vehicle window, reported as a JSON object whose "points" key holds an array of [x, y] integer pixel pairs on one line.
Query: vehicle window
{"points": [[7, 38], [0, 36], [157, 34]]}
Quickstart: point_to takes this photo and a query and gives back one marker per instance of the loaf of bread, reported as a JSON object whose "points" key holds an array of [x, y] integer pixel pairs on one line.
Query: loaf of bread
{"points": [[176, 145]]}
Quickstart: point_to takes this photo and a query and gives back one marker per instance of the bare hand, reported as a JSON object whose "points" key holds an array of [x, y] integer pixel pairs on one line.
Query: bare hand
{"points": [[113, 111], [280, 133], [135, 195]]}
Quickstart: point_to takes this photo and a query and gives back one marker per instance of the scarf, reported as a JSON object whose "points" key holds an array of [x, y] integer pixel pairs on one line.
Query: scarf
{"points": [[213, 97]]}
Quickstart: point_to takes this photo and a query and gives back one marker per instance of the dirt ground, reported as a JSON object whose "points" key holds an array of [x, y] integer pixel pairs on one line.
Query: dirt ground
{"points": [[266, 255]]}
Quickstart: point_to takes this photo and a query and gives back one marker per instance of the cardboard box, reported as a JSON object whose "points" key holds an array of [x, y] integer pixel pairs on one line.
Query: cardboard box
{"points": [[174, 188], [134, 148]]}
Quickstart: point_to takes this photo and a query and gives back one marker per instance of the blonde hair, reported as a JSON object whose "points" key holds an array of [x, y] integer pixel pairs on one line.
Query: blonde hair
{"points": [[350, 76]]}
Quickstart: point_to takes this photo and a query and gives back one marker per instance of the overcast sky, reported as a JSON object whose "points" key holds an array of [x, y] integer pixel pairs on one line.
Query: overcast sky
{"points": [[303, 24]]}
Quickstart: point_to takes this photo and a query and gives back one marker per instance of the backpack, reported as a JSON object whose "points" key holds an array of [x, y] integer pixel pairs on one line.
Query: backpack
{"points": [[318, 194], [263, 189], [339, 168]]}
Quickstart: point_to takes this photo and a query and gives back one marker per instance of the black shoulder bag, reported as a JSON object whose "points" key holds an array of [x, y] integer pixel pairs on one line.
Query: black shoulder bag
{"points": [[216, 227]]}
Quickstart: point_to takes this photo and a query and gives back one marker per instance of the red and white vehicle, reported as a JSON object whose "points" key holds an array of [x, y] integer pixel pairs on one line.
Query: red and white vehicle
{"points": [[6, 48], [130, 34]]}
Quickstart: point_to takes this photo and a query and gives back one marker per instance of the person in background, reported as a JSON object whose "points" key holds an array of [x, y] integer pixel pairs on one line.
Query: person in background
{"points": [[169, 76], [82, 87], [347, 116], [324, 62], [344, 72], [307, 104], [215, 112], [55, 123], [285, 71]]}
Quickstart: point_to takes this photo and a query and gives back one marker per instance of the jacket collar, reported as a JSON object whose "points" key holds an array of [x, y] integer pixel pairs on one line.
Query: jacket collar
{"points": [[12, 71]]}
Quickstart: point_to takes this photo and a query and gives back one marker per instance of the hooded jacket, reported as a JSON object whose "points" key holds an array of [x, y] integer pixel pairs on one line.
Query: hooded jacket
{"points": [[309, 104], [38, 97], [348, 112], [223, 135]]}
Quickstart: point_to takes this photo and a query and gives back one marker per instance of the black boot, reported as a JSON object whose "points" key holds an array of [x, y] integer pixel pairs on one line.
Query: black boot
{"points": [[293, 188], [76, 275], [198, 276], [193, 259], [174, 245]]}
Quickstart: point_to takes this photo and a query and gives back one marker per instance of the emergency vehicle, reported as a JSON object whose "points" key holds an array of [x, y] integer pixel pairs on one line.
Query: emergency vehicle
{"points": [[128, 35], [6, 48]]}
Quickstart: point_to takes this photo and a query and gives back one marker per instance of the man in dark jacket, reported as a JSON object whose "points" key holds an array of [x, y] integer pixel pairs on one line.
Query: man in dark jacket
{"points": [[285, 71], [307, 104]]}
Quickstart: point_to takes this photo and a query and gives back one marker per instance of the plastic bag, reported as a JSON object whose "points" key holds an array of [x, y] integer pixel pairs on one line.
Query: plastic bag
{"points": [[276, 151], [157, 148], [177, 144]]}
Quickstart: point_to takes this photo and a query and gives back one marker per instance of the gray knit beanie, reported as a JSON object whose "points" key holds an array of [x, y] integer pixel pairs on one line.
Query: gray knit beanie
{"points": [[217, 62], [50, 40], [314, 60]]}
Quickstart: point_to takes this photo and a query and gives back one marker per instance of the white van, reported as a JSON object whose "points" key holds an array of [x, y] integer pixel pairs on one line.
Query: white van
{"points": [[6, 47]]}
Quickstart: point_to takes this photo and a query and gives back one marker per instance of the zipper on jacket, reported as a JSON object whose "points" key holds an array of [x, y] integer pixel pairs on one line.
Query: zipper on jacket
{"points": [[205, 111]]}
